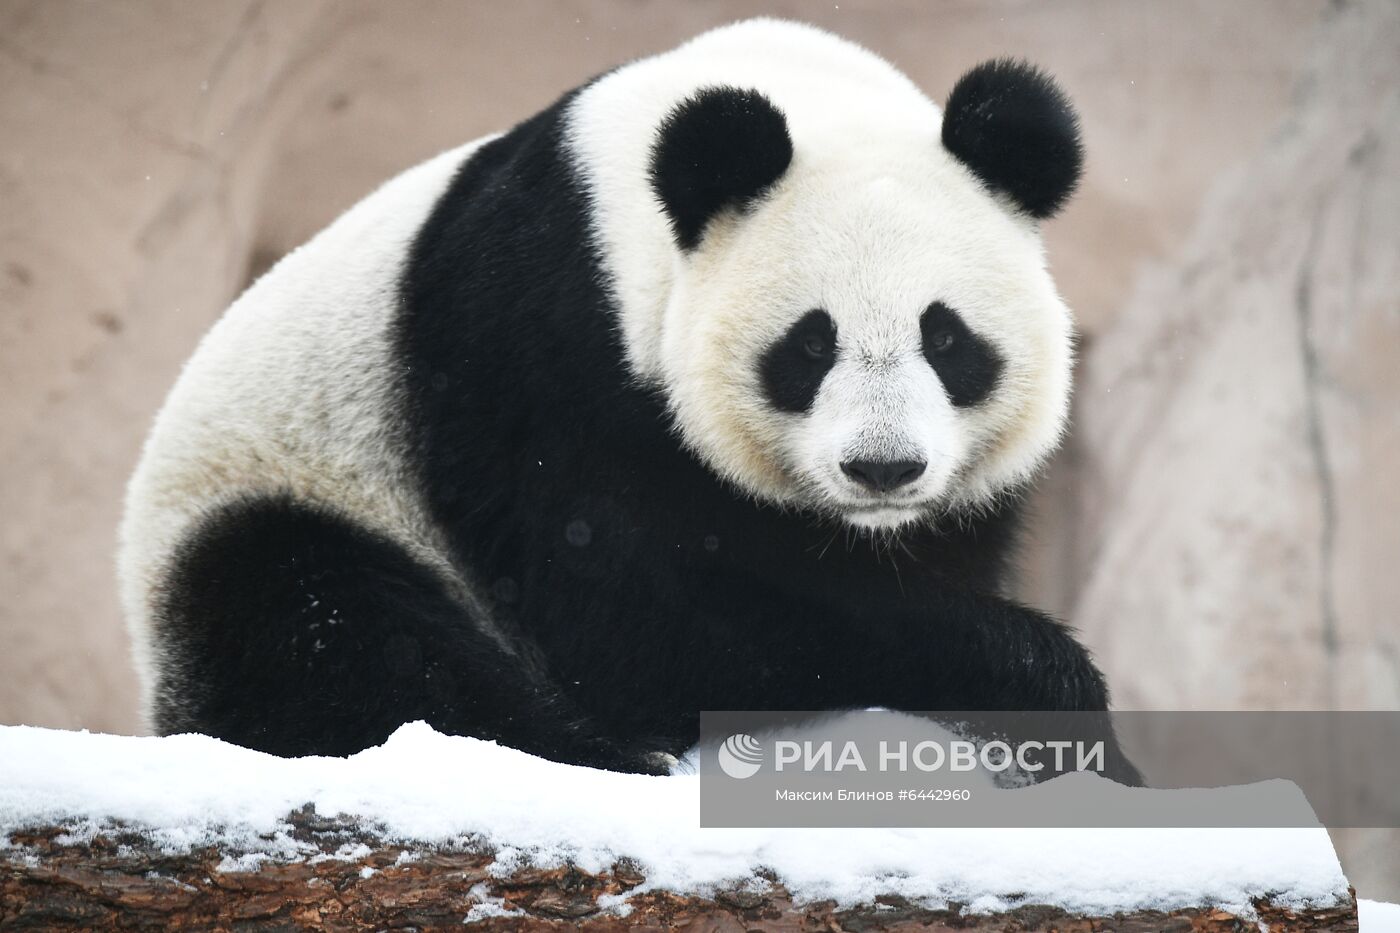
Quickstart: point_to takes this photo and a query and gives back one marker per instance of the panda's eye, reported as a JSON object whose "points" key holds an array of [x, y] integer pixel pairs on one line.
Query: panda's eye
{"points": [[794, 365], [942, 341], [967, 364], [816, 347]]}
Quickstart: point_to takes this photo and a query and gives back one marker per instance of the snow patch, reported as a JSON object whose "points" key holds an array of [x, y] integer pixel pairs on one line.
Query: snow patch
{"points": [[188, 790], [1379, 917], [349, 852], [250, 862], [487, 907]]}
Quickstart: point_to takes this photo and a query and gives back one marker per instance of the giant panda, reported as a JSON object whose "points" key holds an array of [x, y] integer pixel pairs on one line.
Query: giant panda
{"points": [[711, 386]]}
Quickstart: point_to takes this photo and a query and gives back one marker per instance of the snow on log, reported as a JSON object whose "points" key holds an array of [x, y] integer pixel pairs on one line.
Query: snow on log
{"points": [[430, 831]]}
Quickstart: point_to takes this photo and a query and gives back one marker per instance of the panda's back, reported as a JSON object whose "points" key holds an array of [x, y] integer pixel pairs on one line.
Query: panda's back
{"points": [[292, 392]]}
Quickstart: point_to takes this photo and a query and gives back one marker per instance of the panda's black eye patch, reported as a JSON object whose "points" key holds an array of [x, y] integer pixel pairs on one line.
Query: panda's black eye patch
{"points": [[968, 365], [792, 369]]}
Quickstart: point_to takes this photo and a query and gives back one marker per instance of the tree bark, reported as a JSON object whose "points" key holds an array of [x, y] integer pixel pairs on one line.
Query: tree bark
{"points": [[119, 879]]}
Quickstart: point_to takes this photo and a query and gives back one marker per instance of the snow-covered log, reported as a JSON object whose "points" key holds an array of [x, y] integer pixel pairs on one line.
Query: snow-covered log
{"points": [[120, 880], [429, 831]]}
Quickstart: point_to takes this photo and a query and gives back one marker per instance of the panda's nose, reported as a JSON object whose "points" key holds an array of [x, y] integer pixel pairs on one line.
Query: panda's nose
{"points": [[883, 475]]}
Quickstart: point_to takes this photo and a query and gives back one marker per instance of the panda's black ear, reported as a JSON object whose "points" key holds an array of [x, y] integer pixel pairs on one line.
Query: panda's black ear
{"points": [[1012, 125], [723, 147]]}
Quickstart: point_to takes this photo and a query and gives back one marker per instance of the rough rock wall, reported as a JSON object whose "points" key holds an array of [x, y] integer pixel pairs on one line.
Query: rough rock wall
{"points": [[133, 141], [1236, 453], [1238, 426]]}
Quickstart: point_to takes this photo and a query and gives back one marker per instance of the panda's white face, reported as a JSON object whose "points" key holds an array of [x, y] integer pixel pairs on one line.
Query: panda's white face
{"points": [[840, 287], [879, 345]]}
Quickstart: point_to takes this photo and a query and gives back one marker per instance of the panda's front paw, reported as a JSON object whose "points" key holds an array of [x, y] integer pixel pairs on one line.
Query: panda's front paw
{"points": [[628, 759], [655, 763], [1118, 767]]}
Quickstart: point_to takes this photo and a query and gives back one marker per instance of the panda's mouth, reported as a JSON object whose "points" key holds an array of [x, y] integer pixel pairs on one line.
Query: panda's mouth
{"points": [[883, 515]]}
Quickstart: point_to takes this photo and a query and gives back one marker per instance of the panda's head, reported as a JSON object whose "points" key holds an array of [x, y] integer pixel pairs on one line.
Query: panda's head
{"points": [[861, 322]]}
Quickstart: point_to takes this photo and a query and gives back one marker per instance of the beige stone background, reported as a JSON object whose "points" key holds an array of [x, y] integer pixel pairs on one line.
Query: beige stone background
{"points": [[1224, 523]]}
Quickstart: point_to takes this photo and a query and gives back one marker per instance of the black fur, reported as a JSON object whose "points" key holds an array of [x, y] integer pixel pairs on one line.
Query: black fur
{"points": [[639, 587], [722, 148], [968, 365], [793, 368], [301, 633], [1012, 125]]}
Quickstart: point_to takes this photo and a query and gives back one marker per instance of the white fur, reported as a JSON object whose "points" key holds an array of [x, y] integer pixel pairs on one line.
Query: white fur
{"points": [[873, 221], [289, 392]]}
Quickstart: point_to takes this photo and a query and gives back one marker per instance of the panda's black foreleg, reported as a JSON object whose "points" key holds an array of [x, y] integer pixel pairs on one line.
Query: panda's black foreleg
{"points": [[945, 649], [1013, 658], [295, 631], [966, 651]]}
